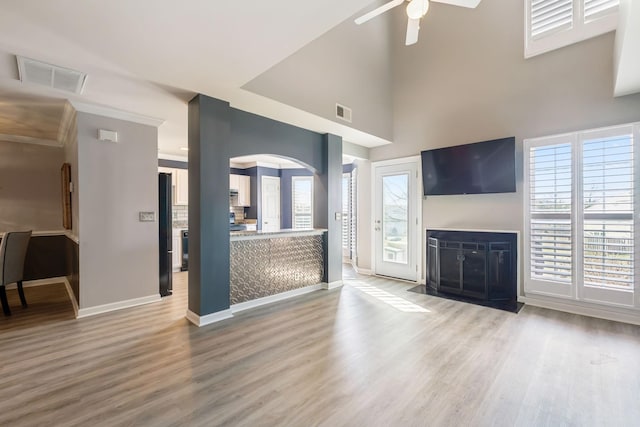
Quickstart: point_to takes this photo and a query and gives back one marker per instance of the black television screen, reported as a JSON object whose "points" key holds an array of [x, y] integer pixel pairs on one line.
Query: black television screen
{"points": [[483, 167]]}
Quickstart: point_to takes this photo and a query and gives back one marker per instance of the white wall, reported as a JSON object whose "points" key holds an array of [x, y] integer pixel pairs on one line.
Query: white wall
{"points": [[118, 254], [30, 187], [364, 214], [348, 65], [467, 80]]}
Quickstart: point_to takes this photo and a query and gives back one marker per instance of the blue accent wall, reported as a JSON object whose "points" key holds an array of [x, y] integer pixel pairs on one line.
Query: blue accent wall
{"points": [[218, 132]]}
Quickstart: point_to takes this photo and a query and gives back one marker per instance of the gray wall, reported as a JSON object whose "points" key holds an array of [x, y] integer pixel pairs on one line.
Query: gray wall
{"points": [[467, 80], [30, 187], [71, 157], [218, 132], [348, 65], [118, 254]]}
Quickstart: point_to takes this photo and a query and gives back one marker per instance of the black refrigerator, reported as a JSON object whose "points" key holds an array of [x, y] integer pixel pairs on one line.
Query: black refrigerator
{"points": [[165, 221]]}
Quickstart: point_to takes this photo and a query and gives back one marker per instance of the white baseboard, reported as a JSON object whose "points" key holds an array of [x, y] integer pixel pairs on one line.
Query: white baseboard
{"points": [[209, 318], [236, 308], [72, 296], [332, 285], [105, 308], [573, 307], [363, 271]]}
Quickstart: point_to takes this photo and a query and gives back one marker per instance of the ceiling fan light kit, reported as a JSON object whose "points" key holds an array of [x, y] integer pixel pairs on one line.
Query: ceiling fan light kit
{"points": [[416, 10]]}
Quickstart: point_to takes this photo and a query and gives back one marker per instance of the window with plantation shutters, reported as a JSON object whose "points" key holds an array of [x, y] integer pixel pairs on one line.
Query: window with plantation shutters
{"points": [[608, 207], [302, 197], [349, 215], [548, 16], [552, 24], [550, 177], [594, 9], [580, 210]]}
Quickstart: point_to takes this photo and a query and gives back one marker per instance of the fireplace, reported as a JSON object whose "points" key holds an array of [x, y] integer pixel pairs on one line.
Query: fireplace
{"points": [[473, 265]]}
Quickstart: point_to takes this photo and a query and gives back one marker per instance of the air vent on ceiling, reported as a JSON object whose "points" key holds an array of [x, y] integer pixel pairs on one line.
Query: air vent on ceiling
{"points": [[343, 113], [32, 71]]}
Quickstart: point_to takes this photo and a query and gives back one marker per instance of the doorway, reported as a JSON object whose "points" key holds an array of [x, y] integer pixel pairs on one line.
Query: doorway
{"points": [[396, 219]]}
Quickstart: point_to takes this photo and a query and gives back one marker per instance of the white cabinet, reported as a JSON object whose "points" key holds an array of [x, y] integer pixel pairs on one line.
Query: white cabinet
{"points": [[176, 246], [182, 187], [241, 184]]}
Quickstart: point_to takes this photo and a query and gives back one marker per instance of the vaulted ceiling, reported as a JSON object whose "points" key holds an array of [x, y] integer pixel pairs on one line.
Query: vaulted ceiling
{"points": [[151, 56]]}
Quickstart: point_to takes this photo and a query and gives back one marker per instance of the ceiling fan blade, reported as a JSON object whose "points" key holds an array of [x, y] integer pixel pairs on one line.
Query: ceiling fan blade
{"points": [[375, 12], [472, 4], [413, 27]]}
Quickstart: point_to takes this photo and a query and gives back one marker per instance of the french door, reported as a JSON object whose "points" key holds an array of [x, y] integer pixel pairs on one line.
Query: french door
{"points": [[581, 201], [396, 232]]}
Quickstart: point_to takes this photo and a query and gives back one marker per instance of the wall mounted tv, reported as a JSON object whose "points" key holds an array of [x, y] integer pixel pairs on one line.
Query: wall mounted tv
{"points": [[482, 167]]}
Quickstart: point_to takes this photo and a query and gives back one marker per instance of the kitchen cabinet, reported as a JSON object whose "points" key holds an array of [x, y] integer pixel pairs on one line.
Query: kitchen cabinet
{"points": [[241, 184], [182, 187]]}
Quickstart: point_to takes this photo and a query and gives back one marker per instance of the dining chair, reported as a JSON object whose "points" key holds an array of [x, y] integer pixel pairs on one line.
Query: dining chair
{"points": [[13, 250]]}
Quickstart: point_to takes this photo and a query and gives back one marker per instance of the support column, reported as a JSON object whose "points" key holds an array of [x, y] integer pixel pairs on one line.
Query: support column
{"points": [[209, 140], [329, 209]]}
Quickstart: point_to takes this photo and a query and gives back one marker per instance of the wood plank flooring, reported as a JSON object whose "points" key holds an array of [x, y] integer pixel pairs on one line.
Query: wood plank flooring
{"points": [[369, 354]]}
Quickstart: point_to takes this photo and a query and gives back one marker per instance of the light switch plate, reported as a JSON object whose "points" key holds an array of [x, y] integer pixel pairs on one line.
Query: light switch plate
{"points": [[338, 216], [147, 216]]}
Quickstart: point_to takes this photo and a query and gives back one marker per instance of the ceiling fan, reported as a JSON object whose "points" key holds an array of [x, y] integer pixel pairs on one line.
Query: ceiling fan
{"points": [[416, 10]]}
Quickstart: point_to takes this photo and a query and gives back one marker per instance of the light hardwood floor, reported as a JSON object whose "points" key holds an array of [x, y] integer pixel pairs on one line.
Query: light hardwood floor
{"points": [[369, 354]]}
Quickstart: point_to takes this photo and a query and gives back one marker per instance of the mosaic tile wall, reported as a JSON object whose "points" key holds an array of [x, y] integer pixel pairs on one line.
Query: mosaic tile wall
{"points": [[264, 267]]}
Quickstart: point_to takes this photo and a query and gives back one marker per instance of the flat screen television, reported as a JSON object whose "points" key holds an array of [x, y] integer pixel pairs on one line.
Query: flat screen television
{"points": [[482, 167]]}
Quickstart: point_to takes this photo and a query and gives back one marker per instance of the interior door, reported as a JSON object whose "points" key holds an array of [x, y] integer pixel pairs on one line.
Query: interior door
{"points": [[396, 220], [270, 207]]}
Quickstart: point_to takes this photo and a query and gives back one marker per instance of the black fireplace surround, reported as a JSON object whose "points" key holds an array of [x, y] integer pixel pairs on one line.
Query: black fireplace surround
{"points": [[473, 265]]}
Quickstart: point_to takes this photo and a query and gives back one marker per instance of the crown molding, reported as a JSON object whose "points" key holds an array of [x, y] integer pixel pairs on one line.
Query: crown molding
{"points": [[116, 114]]}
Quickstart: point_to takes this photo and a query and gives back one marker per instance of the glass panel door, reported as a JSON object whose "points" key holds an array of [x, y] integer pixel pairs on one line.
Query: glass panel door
{"points": [[396, 220]]}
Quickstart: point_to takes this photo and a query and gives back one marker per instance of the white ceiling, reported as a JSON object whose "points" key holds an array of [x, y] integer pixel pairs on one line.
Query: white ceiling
{"points": [[151, 56]]}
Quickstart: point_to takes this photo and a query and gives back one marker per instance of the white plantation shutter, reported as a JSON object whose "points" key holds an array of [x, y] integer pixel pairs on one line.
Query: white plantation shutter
{"points": [[581, 201], [594, 9], [550, 15], [550, 207], [302, 198], [608, 206], [552, 24], [346, 192]]}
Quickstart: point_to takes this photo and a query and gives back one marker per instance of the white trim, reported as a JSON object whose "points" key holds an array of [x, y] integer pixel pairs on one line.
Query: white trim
{"points": [[45, 233], [72, 297], [72, 237], [116, 114], [30, 140], [583, 309], [363, 271], [208, 318], [472, 230], [247, 305], [38, 282], [105, 308], [331, 285], [578, 31], [420, 240], [50, 281]]}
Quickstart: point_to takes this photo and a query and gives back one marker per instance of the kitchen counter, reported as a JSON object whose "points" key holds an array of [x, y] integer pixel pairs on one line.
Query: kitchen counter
{"points": [[267, 263], [272, 234]]}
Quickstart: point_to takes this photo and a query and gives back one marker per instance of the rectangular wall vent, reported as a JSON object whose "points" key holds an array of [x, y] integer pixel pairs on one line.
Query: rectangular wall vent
{"points": [[343, 113], [53, 76]]}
